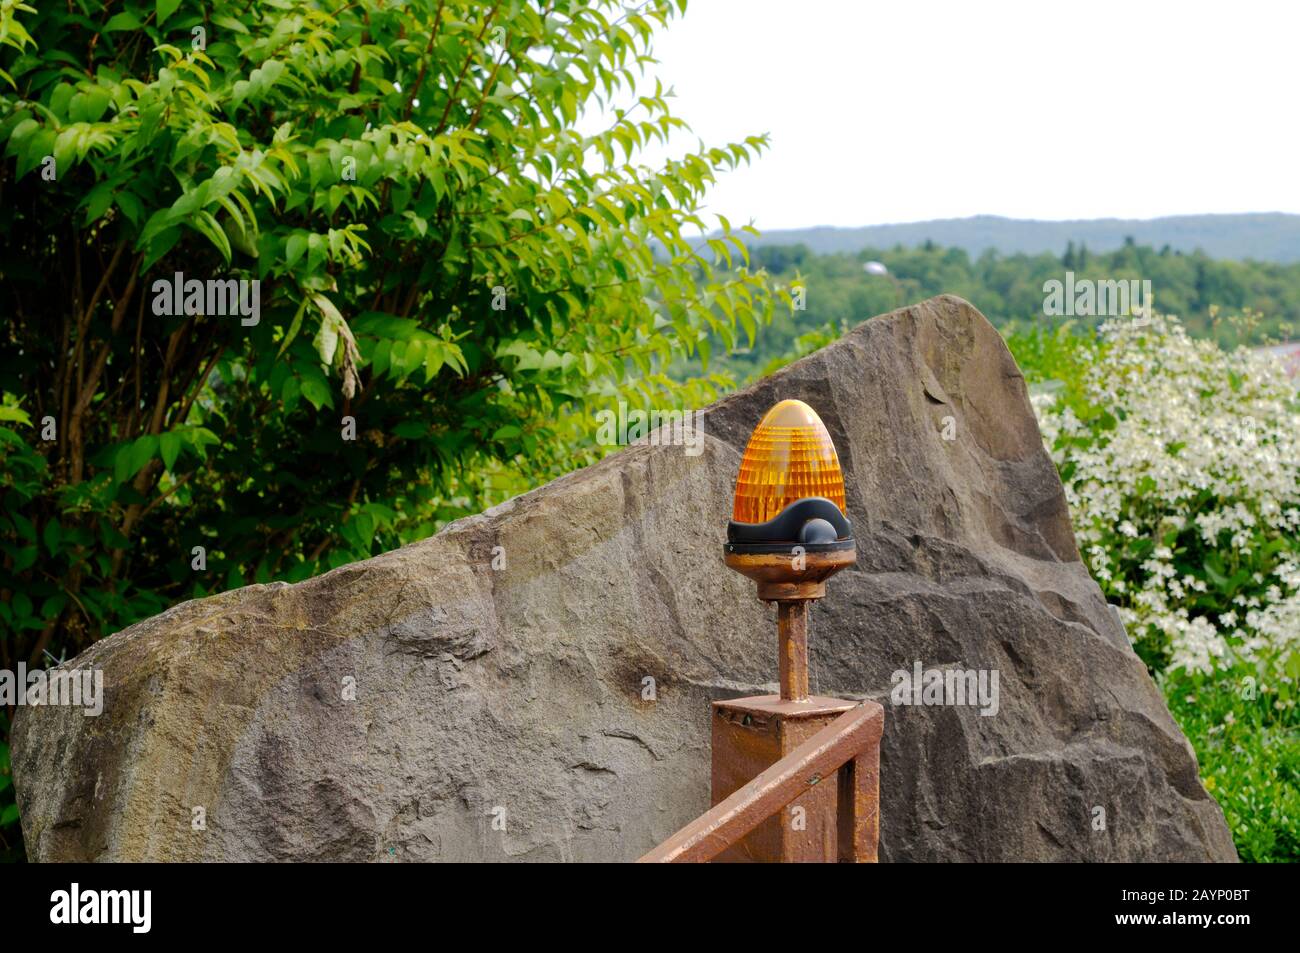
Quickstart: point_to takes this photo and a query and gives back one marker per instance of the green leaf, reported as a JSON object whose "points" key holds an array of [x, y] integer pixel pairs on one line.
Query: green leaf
{"points": [[25, 558], [170, 445], [65, 148], [293, 328], [236, 235], [52, 606], [60, 97], [97, 202], [160, 245], [122, 21], [316, 252], [52, 536], [316, 391], [19, 133], [129, 205], [15, 415], [203, 222], [133, 456], [385, 326], [294, 247], [37, 146], [1213, 569], [24, 526], [230, 23], [1292, 667], [164, 9], [89, 104]]}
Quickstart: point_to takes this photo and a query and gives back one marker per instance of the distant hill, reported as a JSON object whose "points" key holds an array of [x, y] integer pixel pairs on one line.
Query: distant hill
{"points": [[1271, 236]]}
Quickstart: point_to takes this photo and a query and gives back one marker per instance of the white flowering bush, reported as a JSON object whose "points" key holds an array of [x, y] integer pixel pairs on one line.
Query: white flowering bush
{"points": [[1181, 465]]}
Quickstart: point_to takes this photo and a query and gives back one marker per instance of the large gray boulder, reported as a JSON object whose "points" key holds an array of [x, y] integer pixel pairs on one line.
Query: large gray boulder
{"points": [[513, 697]]}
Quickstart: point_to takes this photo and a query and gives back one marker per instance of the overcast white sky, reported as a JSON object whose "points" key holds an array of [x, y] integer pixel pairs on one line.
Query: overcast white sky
{"points": [[918, 109]]}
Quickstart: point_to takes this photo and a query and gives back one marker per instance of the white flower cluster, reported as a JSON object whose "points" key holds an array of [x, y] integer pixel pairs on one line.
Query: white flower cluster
{"points": [[1185, 491]]}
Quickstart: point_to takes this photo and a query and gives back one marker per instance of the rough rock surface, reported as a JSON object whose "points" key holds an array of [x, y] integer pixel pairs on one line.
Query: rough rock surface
{"points": [[515, 695]]}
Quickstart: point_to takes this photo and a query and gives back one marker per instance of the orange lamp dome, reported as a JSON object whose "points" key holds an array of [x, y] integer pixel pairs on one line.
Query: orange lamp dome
{"points": [[790, 457]]}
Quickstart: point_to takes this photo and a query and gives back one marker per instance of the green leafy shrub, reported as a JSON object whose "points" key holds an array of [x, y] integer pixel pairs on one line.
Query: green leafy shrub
{"points": [[451, 281], [1055, 359], [1248, 748]]}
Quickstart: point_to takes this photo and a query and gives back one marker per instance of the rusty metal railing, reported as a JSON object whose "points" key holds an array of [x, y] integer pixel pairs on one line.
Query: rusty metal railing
{"points": [[849, 746]]}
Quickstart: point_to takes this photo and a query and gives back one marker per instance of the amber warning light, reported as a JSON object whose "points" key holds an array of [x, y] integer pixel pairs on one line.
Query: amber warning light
{"points": [[790, 490], [789, 533]]}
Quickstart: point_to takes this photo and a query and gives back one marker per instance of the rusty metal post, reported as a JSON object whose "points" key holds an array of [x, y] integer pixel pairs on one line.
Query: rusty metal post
{"points": [[792, 632], [790, 533], [859, 808], [834, 749], [836, 817], [749, 736]]}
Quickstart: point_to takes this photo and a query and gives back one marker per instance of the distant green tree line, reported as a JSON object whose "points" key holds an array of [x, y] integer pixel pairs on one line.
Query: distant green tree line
{"points": [[839, 292]]}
